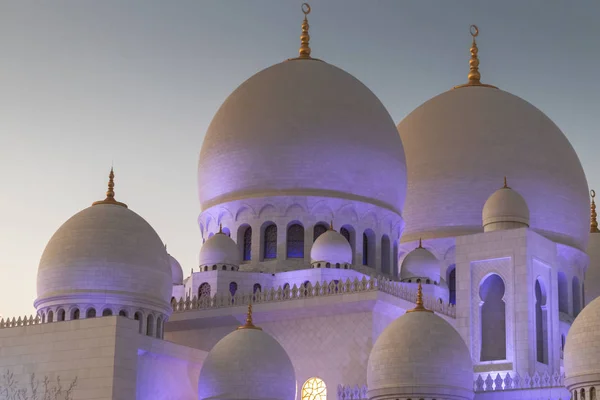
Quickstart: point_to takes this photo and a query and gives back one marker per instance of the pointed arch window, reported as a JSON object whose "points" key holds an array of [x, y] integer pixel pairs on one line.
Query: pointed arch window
{"points": [[247, 247], [318, 230], [295, 241], [204, 290], [91, 313], [493, 319], [345, 233], [270, 242]]}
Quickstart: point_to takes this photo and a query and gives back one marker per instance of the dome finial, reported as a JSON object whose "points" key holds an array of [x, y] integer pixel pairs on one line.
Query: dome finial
{"points": [[331, 225], [420, 306], [304, 51], [505, 184], [474, 75], [220, 228], [420, 244], [249, 324], [110, 193], [593, 221]]}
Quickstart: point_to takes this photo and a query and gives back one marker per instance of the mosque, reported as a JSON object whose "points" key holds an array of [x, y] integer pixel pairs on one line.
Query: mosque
{"points": [[452, 261]]}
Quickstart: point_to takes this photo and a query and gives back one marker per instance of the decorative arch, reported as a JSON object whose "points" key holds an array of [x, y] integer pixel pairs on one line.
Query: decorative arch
{"points": [[107, 312], [368, 248], [541, 322], [150, 325], [314, 389], [348, 213], [451, 280], [50, 316], [244, 240], [244, 213], [60, 315], [563, 293], [295, 211], [140, 318], [204, 290], [493, 318], [576, 296], [385, 254], [233, 287], [322, 210], [295, 240], [90, 313], [269, 241], [159, 327], [75, 314], [268, 209]]}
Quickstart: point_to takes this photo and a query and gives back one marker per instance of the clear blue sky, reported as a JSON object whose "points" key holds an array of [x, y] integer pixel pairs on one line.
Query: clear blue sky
{"points": [[86, 83]]}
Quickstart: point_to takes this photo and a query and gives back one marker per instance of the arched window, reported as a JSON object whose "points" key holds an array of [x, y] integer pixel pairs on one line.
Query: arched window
{"points": [[60, 315], [233, 286], [256, 288], [159, 328], [369, 248], [295, 241], [204, 290], [314, 389], [138, 317], [123, 313], [304, 287], [576, 297], [345, 233], [563, 293], [582, 394], [91, 313], [385, 254], [395, 260], [107, 312], [75, 313], [150, 325], [593, 393], [493, 319], [245, 239], [452, 284], [50, 316], [541, 323], [318, 230], [270, 242], [43, 318]]}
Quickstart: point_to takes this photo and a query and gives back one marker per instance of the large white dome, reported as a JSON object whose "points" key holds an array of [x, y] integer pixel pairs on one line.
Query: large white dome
{"points": [[420, 355], [461, 143], [582, 349], [247, 364], [302, 127], [105, 254]]}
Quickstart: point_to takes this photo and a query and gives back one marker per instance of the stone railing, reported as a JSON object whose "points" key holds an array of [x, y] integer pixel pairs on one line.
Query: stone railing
{"points": [[400, 290], [25, 321], [347, 392], [516, 381]]}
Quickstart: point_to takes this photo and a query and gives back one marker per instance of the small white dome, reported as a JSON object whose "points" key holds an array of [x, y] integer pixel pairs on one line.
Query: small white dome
{"points": [[292, 112], [331, 247], [176, 271], [247, 364], [105, 253], [420, 355], [220, 249], [420, 263], [582, 349], [505, 209]]}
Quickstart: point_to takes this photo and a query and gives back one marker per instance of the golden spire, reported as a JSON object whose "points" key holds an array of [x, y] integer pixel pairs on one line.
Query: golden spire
{"points": [[331, 225], [110, 193], [220, 228], [304, 51], [420, 244], [249, 324], [420, 306], [593, 221], [474, 75], [505, 184]]}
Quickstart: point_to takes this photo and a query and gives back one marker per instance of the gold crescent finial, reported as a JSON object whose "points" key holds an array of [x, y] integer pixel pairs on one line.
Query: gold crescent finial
{"points": [[474, 77], [594, 215], [110, 193], [304, 51], [420, 305], [249, 324]]}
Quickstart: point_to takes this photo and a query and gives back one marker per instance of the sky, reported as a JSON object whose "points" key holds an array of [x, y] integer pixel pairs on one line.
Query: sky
{"points": [[89, 84]]}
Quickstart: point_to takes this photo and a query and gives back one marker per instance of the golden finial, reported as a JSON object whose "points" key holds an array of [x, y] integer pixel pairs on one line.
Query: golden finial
{"points": [[474, 75], [110, 193], [249, 324], [420, 306], [305, 37], [331, 225], [505, 184], [220, 228], [420, 244], [594, 221]]}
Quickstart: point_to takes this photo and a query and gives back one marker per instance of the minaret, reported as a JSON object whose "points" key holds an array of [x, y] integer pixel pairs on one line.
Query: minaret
{"points": [[592, 274], [474, 77]]}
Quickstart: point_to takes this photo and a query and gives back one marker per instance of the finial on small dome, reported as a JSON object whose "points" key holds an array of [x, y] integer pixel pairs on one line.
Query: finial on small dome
{"points": [[331, 225], [505, 184], [594, 220], [249, 324], [420, 244], [220, 228], [110, 193], [304, 51], [420, 306], [474, 75]]}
